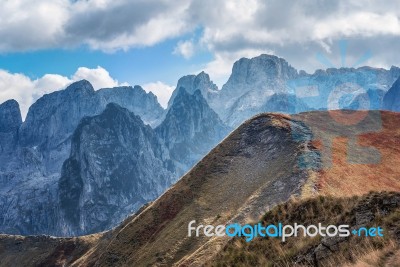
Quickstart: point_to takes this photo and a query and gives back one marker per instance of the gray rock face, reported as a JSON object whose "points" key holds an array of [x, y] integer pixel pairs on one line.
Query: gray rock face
{"points": [[193, 83], [31, 156], [190, 129], [250, 85], [135, 100], [72, 171], [10, 116], [391, 100], [55, 116], [117, 164]]}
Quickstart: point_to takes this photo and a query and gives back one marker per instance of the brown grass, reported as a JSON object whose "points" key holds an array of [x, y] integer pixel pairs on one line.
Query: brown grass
{"points": [[347, 179], [355, 251]]}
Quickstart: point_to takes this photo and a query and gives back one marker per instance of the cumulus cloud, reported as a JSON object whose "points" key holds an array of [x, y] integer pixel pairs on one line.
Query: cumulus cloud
{"points": [[98, 77], [110, 25], [161, 90], [298, 30], [102, 24], [295, 30]]}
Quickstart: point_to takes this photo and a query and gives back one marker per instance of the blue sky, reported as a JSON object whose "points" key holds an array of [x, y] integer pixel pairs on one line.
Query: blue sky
{"points": [[47, 44], [135, 66]]}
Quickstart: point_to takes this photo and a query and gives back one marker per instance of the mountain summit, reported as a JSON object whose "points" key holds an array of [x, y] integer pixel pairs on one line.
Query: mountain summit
{"points": [[192, 83], [191, 128], [117, 164]]}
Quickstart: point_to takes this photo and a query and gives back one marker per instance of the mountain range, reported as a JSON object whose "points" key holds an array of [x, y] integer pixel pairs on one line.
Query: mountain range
{"points": [[271, 168], [84, 160]]}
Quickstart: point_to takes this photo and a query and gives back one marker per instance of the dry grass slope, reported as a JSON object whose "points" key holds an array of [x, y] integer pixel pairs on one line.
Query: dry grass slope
{"points": [[300, 251]]}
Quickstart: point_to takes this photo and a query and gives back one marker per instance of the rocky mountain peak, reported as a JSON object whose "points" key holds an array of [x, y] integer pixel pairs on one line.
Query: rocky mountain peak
{"points": [[191, 83], [10, 116], [260, 69], [117, 164], [82, 86]]}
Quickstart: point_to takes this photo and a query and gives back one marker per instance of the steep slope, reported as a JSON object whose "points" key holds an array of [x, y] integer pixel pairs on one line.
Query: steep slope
{"points": [[116, 165], [391, 100], [190, 129], [52, 118], [192, 83], [264, 162], [238, 180], [27, 198]]}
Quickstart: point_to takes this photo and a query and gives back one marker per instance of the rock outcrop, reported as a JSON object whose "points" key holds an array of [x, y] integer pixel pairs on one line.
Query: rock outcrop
{"points": [[117, 164]]}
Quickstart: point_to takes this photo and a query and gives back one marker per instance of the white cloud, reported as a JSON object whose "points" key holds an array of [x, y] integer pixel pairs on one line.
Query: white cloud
{"points": [[360, 23], [98, 77], [29, 25], [161, 90], [102, 24], [185, 49], [229, 25]]}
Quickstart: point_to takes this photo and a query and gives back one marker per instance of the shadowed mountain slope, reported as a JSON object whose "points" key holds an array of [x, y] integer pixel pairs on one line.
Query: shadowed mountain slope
{"points": [[266, 161]]}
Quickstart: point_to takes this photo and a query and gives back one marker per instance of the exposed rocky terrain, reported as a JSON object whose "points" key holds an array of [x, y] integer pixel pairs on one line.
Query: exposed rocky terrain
{"points": [[80, 165], [50, 165], [106, 176], [192, 83], [190, 129], [239, 179]]}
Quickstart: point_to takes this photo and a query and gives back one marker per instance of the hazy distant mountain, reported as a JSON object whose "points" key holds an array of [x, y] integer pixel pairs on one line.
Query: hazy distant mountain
{"points": [[254, 82], [250, 85]]}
